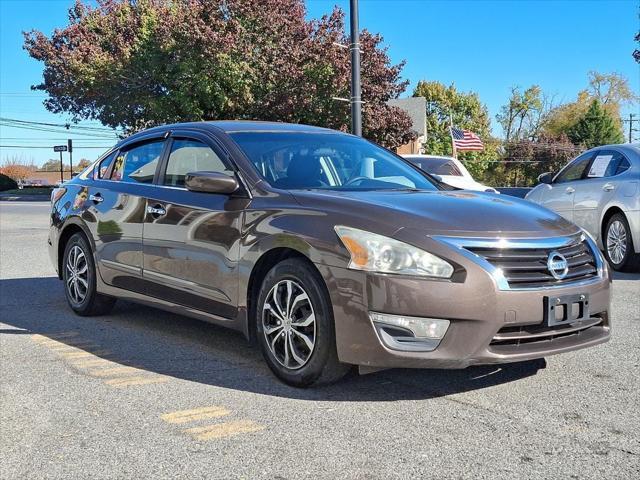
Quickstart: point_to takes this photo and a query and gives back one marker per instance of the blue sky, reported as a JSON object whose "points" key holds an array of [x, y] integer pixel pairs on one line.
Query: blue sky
{"points": [[483, 46]]}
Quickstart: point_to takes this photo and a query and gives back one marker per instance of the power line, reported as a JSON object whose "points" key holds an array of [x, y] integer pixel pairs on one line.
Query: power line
{"points": [[50, 139], [53, 130], [67, 126], [48, 148]]}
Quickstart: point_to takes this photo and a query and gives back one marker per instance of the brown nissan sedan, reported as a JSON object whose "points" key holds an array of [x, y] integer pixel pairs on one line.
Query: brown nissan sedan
{"points": [[326, 250]]}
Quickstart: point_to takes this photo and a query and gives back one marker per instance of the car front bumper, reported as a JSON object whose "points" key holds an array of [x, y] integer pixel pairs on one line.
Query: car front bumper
{"points": [[487, 325]]}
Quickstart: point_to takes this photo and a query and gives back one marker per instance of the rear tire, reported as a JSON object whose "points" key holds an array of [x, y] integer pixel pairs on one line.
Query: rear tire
{"points": [[618, 245], [79, 276], [294, 309]]}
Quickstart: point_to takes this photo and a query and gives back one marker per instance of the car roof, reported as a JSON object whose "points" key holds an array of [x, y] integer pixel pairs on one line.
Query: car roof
{"points": [[631, 149], [233, 126]]}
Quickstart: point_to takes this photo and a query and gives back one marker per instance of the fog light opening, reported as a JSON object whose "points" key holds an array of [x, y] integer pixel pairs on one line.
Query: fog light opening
{"points": [[401, 332]]}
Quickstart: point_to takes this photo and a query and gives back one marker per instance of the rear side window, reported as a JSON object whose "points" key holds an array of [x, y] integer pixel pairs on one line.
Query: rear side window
{"points": [[608, 164], [138, 164], [439, 166], [623, 166], [191, 156], [102, 168], [575, 170]]}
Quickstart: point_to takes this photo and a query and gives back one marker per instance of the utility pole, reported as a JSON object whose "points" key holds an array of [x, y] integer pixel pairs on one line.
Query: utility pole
{"points": [[356, 99], [631, 121]]}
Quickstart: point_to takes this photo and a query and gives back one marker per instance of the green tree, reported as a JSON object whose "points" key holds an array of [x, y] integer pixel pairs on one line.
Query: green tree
{"points": [[137, 63], [596, 127], [465, 111], [82, 164], [53, 165], [523, 115], [611, 90]]}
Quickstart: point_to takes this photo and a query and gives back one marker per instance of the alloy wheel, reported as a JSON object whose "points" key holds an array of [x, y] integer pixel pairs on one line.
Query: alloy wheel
{"points": [[617, 242], [289, 324], [77, 282]]}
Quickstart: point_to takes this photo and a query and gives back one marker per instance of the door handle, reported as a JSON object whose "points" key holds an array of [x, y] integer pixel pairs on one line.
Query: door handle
{"points": [[570, 190], [97, 198], [607, 187], [156, 210]]}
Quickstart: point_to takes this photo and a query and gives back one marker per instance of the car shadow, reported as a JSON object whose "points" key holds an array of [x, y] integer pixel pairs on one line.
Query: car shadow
{"points": [[625, 276], [176, 346]]}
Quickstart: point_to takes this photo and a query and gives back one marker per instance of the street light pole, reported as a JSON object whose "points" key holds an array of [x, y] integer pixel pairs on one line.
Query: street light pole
{"points": [[356, 99]]}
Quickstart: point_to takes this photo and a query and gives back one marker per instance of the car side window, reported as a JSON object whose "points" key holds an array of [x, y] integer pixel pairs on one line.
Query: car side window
{"points": [[101, 169], [188, 156], [138, 164], [575, 169], [608, 164], [623, 166]]}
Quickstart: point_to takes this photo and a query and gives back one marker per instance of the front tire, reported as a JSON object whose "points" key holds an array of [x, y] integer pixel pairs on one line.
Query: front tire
{"points": [[295, 326], [79, 276], [618, 245]]}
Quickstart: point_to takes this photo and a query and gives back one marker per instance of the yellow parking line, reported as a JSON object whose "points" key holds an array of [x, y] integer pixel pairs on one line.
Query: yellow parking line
{"points": [[107, 372], [128, 381], [221, 430], [82, 354], [72, 346], [92, 362], [54, 336], [61, 341], [184, 416]]}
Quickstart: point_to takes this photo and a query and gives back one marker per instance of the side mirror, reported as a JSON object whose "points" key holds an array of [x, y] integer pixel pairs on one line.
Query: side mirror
{"points": [[211, 182], [546, 178]]}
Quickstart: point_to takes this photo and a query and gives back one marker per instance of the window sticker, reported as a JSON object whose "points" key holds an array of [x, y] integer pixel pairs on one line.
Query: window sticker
{"points": [[599, 166]]}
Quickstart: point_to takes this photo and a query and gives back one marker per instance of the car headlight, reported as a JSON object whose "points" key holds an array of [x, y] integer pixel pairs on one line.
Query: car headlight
{"points": [[377, 253]]}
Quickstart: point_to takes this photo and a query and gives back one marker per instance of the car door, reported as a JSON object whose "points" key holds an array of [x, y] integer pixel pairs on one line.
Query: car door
{"points": [[191, 239], [118, 197], [597, 189], [559, 195]]}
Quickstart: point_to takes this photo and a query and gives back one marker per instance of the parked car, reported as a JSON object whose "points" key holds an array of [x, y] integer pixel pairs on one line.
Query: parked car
{"points": [[325, 249], [449, 170], [600, 192]]}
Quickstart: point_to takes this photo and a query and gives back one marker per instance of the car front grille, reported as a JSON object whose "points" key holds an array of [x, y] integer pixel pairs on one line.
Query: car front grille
{"points": [[526, 267]]}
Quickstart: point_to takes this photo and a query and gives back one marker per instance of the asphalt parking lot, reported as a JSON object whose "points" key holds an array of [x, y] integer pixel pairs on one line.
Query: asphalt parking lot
{"points": [[142, 393]]}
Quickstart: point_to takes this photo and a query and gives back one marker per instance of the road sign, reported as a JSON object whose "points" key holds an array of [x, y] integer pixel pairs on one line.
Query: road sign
{"points": [[60, 148]]}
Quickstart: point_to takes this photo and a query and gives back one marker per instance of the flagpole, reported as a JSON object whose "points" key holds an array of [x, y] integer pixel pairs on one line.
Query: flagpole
{"points": [[453, 142]]}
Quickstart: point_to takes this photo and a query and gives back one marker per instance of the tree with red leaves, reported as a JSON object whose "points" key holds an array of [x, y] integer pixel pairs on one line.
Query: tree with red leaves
{"points": [[133, 64]]}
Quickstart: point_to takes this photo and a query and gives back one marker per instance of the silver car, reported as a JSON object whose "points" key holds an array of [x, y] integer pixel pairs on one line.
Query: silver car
{"points": [[600, 192]]}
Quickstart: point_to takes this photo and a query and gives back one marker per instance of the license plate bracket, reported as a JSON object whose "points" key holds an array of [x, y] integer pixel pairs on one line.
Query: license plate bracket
{"points": [[565, 309]]}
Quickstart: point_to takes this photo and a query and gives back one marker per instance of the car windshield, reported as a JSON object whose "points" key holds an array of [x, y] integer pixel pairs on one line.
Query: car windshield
{"points": [[303, 160], [437, 166]]}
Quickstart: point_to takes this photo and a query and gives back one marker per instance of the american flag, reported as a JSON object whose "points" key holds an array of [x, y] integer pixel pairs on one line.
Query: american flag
{"points": [[466, 140]]}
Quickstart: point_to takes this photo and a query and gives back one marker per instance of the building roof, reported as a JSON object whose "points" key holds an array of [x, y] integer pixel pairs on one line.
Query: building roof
{"points": [[416, 108]]}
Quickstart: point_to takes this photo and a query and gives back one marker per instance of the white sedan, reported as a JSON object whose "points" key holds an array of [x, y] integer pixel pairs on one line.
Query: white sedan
{"points": [[600, 192], [449, 170]]}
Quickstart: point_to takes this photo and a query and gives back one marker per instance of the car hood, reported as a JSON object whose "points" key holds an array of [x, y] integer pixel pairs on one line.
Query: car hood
{"points": [[460, 213]]}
